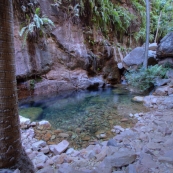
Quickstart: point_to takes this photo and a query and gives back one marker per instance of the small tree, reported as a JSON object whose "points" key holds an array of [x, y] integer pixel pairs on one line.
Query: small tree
{"points": [[145, 63]]}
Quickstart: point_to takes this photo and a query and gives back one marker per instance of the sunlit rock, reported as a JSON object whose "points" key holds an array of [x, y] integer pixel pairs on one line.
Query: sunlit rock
{"points": [[152, 46], [24, 122], [138, 99]]}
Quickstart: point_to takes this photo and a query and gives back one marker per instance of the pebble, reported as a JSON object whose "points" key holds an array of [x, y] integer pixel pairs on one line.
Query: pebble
{"points": [[44, 125], [130, 115], [102, 136], [45, 149], [63, 135], [61, 147], [37, 145], [70, 151]]}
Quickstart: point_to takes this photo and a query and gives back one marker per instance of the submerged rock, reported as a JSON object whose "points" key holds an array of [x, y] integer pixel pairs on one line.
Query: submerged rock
{"points": [[32, 113]]}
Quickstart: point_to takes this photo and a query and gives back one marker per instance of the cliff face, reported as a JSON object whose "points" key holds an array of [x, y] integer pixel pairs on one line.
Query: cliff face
{"points": [[74, 56]]}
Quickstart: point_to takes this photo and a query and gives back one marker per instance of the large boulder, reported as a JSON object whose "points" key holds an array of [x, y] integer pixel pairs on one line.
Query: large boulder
{"points": [[165, 48], [135, 57]]}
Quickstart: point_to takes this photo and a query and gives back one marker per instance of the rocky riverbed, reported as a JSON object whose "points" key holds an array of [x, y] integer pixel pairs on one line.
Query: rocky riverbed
{"points": [[144, 148]]}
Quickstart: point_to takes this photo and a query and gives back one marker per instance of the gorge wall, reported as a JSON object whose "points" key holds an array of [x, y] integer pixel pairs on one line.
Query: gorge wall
{"points": [[75, 56]]}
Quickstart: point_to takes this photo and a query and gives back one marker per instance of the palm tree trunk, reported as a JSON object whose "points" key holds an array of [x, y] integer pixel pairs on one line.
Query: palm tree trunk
{"points": [[11, 151], [145, 63]]}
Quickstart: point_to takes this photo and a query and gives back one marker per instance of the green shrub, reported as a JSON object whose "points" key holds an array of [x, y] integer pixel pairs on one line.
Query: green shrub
{"points": [[143, 79]]}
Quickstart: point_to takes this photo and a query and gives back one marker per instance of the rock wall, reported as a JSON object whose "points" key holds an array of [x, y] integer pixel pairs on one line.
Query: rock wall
{"points": [[68, 60]]}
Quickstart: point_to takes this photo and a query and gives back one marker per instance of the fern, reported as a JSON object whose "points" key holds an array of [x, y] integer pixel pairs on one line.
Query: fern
{"points": [[22, 31], [40, 26], [144, 79], [37, 21], [47, 21], [105, 14], [31, 27], [37, 11]]}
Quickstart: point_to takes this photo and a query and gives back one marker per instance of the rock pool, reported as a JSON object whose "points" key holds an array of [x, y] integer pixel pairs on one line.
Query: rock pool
{"points": [[82, 117]]}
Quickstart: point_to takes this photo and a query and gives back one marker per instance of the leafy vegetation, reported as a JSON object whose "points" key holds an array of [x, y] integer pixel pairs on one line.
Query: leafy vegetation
{"points": [[139, 6], [104, 14], [109, 16], [160, 9], [38, 26], [164, 10], [143, 79]]}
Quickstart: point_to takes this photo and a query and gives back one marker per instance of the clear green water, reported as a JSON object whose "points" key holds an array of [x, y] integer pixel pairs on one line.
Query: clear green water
{"points": [[84, 114]]}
